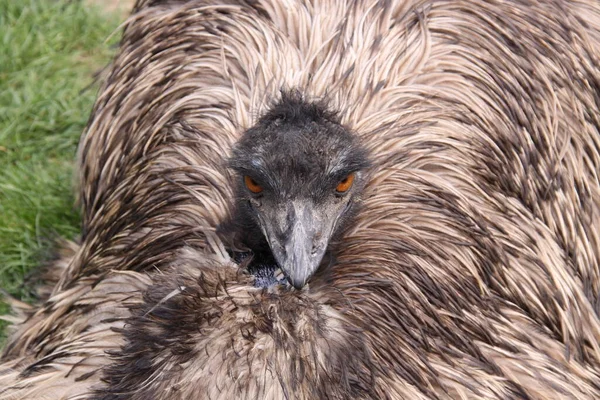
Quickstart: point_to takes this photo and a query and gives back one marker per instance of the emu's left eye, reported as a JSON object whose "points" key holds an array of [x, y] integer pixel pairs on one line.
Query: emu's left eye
{"points": [[345, 184], [252, 185]]}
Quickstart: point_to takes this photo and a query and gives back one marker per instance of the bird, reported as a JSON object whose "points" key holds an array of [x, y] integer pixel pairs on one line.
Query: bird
{"points": [[453, 255]]}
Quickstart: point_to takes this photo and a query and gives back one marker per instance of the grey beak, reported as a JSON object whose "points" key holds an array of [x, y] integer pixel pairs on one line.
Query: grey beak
{"points": [[300, 241]]}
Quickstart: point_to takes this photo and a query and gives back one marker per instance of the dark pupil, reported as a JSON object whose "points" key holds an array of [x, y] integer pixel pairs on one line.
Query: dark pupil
{"points": [[344, 180]]}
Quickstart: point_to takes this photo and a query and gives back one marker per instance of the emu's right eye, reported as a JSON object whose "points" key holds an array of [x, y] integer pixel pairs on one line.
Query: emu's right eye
{"points": [[252, 185]]}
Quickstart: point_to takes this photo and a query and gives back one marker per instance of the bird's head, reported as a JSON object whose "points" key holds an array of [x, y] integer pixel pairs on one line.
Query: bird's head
{"points": [[299, 173]]}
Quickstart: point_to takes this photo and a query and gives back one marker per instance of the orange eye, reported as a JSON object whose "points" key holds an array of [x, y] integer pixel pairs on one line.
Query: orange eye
{"points": [[345, 184], [252, 185]]}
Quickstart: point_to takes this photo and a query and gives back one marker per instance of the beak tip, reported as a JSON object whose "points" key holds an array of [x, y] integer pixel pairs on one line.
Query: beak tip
{"points": [[297, 283]]}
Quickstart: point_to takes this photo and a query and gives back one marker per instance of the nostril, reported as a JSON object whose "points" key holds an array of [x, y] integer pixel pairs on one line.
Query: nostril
{"points": [[282, 236], [316, 243], [315, 248]]}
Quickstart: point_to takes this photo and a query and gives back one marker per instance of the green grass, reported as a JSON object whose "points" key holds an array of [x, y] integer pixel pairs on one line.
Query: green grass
{"points": [[49, 51]]}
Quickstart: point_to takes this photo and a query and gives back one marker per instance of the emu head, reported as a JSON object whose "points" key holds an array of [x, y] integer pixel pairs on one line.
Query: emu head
{"points": [[299, 174]]}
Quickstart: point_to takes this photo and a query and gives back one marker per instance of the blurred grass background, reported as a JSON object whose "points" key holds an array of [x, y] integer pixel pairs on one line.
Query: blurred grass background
{"points": [[49, 52]]}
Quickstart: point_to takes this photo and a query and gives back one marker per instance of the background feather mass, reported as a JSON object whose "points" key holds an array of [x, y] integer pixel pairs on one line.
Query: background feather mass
{"points": [[471, 270]]}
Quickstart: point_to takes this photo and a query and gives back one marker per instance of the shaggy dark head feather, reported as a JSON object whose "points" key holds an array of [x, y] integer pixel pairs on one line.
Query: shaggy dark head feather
{"points": [[298, 156]]}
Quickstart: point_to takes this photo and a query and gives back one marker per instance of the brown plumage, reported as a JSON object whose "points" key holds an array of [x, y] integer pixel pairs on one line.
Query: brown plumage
{"points": [[470, 272]]}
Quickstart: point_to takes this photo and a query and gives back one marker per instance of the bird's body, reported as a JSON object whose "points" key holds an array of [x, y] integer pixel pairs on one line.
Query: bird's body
{"points": [[470, 271]]}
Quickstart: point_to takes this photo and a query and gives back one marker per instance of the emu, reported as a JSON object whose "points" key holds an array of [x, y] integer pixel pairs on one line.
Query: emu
{"points": [[450, 175]]}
